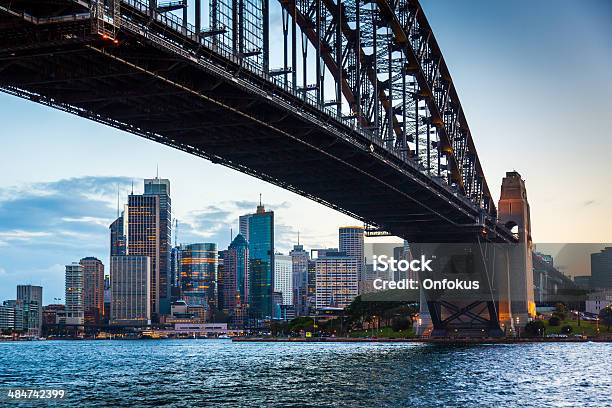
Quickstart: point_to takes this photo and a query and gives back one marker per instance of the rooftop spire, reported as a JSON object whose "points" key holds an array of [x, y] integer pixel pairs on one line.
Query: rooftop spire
{"points": [[260, 207]]}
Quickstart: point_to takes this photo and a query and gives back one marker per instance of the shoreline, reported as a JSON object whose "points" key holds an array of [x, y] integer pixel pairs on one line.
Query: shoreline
{"points": [[419, 340]]}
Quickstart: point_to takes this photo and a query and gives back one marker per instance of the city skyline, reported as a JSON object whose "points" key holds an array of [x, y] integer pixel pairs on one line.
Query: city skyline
{"points": [[37, 208]]}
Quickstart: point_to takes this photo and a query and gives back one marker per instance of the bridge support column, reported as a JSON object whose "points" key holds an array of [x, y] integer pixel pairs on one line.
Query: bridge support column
{"points": [[513, 211]]}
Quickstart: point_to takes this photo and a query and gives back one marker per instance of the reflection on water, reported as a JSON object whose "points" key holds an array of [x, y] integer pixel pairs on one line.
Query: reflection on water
{"points": [[219, 372]]}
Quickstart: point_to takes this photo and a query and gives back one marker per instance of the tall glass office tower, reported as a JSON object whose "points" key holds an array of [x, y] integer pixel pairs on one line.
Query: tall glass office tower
{"points": [[299, 259], [118, 244], [261, 263], [143, 239], [235, 274], [161, 188], [198, 274]]}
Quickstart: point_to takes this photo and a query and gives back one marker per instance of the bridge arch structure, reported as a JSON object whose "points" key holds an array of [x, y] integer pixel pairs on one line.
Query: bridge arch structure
{"points": [[350, 104]]}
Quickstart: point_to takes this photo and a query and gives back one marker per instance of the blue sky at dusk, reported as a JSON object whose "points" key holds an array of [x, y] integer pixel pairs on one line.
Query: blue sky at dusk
{"points": [[534, 79]]}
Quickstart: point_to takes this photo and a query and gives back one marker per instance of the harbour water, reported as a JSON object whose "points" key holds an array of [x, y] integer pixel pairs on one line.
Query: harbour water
{"points": [[186, 373]]}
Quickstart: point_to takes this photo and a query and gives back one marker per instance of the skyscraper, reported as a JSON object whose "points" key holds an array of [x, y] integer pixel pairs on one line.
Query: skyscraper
{"points": [[29, 294], [261, 263], [93, 289], [283, 277], [336, 281], [238, 261], [351, 242], [299, 259], [161, 188], [235, 280], [243, 225], [118, 244], [143, 238], [75, 310], [130, 290], [198, 273], [601, 269]]}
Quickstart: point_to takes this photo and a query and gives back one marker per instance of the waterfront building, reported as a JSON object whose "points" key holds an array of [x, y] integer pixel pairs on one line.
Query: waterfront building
{"points": [[597, 301], [299, 259], [143, 239], [11, 316], [130, 290], [51, 314], [336, 280], [29, 294], [351, 242], [261, 263], [198, 272], [601, 269], [93, 289], [75, 307], [161, 188], [283, 277]]}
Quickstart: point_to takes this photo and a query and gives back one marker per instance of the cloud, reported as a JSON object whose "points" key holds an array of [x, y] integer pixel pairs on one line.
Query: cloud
{"points": [[214, 223], [44, 226]]}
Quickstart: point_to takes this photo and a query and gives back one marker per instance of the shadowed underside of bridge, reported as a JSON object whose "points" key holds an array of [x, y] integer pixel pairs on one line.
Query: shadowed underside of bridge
{"points": [[153, 82]]}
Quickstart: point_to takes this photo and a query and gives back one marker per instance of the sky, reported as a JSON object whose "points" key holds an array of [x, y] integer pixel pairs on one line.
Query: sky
{"points": [[533, 79]]}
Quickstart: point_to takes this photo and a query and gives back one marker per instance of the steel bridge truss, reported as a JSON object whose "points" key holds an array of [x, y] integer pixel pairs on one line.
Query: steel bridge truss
{"points": [[381, 86], [389, 77]]}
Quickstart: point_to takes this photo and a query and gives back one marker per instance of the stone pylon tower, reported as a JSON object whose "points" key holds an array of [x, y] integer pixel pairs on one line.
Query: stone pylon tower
{"points": [[516, 303]]}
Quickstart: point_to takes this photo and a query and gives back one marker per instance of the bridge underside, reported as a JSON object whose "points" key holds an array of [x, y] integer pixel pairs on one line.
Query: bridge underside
{"points": [[209, 106]]}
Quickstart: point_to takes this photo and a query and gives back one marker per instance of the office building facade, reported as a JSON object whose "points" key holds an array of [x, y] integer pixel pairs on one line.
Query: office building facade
{"points": [[198, 275], [601, 269], [29, 294], [161, 188], [283, 277], [351, 241], [143, 239], [299, 260], [130, 290], [261, 263], [93, 289], [75, 306], [336, 280], [118, 239]]}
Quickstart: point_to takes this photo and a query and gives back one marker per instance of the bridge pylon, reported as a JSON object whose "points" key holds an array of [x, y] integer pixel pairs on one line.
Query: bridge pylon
{"points": [[515, 286]]}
